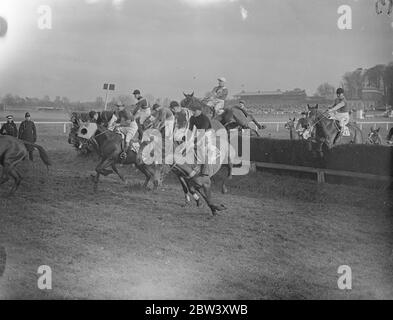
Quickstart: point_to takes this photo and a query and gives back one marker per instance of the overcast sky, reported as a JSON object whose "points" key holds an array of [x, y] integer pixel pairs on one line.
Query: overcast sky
{"points": [[165, 47]]}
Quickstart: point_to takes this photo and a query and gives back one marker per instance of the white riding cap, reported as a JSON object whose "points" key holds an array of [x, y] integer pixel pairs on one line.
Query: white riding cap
{"points": [[222, 79]]}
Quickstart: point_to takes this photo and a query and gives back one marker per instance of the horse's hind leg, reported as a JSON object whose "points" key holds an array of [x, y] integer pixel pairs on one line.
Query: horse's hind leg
{"points": [[5, 177], [205, 191], [15, 175]]}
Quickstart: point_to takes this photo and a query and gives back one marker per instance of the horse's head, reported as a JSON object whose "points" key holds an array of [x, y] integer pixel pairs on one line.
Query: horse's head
{"points": [[313, 114], [187, 101]]}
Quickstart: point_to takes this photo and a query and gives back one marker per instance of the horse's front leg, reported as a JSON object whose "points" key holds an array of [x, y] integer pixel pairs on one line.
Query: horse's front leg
{"points": [[206, 193], [147, 174], [390, 7], [114, 168], [224, 188], [100, 169]]}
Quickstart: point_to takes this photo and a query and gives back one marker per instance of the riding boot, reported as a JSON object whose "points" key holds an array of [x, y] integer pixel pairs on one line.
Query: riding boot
{"points": [[204, 170]]}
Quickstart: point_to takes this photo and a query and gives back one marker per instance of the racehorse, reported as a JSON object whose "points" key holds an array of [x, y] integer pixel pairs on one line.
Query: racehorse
{"points": [[374, 137], [382, 3], [327, 131], [190, 101], [12, 152], [108, 145], [196, 184]]}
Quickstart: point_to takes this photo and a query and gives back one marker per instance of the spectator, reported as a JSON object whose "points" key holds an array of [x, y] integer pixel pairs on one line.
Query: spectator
{"points": [[27, 131], [9, 128]]}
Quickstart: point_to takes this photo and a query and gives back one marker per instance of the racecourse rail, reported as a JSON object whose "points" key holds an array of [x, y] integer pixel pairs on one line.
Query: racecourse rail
{"points": [[320, 173]]}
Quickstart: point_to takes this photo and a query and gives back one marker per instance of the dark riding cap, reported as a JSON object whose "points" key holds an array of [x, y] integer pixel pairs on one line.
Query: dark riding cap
{"points": [[155, 106], [136, 92], [242, 101], [27, 115], [174, 104], [340, 91], [10, 117]]}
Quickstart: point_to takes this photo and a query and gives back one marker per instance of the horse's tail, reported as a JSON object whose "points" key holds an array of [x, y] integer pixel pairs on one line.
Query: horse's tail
{"points": [[43, 154]]}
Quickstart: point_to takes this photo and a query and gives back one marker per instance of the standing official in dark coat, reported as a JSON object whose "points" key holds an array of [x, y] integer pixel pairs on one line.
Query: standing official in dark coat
{"points": [[27, 131], [9, 128]]}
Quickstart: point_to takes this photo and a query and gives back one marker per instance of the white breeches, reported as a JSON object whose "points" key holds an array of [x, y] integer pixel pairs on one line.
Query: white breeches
{"points": [[342, 117], [129, 132]]}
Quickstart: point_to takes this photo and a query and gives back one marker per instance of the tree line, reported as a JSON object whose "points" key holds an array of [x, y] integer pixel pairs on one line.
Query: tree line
{"points": [[380, 77]]}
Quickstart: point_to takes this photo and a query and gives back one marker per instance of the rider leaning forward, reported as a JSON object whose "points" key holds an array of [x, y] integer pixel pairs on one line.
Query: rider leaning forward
{"points": [[142, 110], [216, 98], [340, 111], [124, 122]]}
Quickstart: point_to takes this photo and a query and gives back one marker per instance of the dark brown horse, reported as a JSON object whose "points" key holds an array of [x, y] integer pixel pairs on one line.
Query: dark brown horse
{"points": [[12, 152], [327, 131], [190, 101], [108, 145]]}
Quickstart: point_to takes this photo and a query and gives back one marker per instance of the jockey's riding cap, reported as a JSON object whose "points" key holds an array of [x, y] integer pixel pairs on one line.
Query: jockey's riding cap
{"points": [[27, 115], [173, 104], [242, 102], [155, 106], [10, 117], [340, 91], [222, 79], [136, 92]]}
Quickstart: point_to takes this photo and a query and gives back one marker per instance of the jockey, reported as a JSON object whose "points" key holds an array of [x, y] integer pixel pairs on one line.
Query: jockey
{"points": [[242, 107], [216, 98], [164, 120], [200, 121], [142, 110], [182, 118], [123, 122], [340, 111]]}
